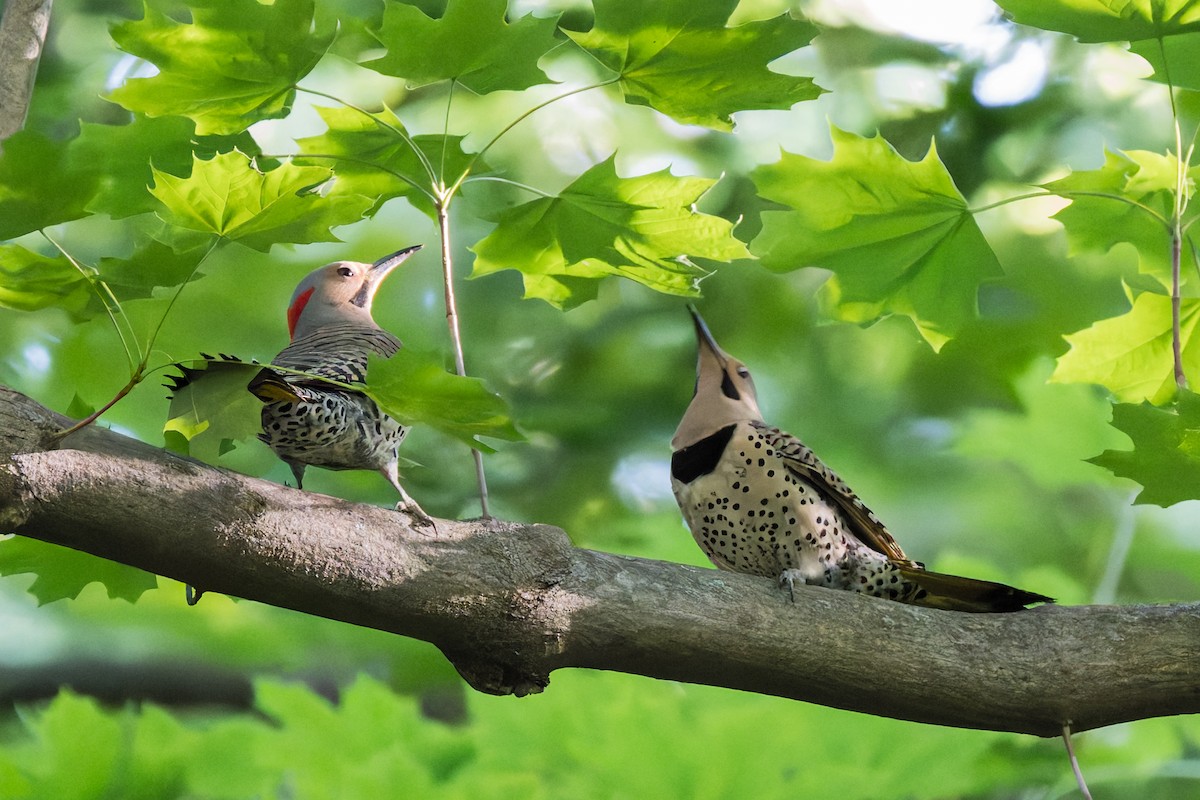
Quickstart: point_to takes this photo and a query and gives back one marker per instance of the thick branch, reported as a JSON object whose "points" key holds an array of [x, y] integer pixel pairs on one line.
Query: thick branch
{"points": [[509, 603], [23, 28]]}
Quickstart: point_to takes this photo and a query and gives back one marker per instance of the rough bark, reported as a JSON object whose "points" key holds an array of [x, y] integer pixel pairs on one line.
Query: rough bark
{"points": [[509, 603], [23, 27]]}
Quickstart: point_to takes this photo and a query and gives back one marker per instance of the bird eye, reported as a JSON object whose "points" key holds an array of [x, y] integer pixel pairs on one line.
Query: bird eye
{"points": [[743, 372], [345, 272]]}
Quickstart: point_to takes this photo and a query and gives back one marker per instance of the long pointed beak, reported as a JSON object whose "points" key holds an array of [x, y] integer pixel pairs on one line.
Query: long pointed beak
{"points": [[381, 268], [705, 337]]}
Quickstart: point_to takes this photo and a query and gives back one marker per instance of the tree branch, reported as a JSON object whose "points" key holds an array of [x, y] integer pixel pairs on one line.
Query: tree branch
{"points": [[509, 603], [23, 28]]}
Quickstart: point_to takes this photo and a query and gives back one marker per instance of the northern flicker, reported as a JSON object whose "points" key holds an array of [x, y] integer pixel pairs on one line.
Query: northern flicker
{"points": [[758, 501], [310, 422]]}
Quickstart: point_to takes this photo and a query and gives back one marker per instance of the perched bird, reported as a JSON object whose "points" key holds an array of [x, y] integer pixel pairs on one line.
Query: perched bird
{"points": [[309, 422], [758, 501]]}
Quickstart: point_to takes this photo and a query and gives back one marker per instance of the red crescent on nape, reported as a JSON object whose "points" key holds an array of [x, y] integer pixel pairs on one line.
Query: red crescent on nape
{"points": [[297, 309]]}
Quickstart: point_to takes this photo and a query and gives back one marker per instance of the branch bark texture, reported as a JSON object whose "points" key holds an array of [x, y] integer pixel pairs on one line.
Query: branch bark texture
{"points": [[509, 603], [23, 27]]}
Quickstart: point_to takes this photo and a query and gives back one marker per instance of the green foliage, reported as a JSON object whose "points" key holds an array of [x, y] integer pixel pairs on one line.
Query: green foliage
{"points": [[678, 57], [62, 573], [37, 188], [29, 281], [642, 228], [1127, 201], [377, 158], [1166, 455], [471, 44], [115, 264], [227, 196], [902, 242], [1130, 355], [414, 389], [235, 64], [211, 408]]}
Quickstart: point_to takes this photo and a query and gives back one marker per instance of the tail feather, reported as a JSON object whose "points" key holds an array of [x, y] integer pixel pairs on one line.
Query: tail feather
{"points": [[955, 593]]}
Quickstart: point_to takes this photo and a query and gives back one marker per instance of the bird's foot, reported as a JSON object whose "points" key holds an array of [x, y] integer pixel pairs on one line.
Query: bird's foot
{"points": [[419, 518], [192, 594], [788, 580]]}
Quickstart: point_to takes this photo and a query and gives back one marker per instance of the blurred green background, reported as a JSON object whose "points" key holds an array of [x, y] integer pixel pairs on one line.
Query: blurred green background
{"points": [[972, 458]]}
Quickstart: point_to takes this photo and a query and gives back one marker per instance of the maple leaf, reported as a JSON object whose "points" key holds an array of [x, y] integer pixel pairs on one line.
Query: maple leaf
{"points": [[678, 57], [901, 242], [642, 228]]}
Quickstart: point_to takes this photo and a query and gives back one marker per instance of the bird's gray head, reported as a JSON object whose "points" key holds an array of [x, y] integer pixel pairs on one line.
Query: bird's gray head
{"points": [[724, 391], [341, 292]]}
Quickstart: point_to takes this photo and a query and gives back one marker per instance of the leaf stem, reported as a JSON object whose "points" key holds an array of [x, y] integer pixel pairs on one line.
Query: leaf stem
{"points": [[399, 131], [510, 182], [1070, 193], [460, 367], [108, 300], [334, 157], [138, 371], [521, 118]]}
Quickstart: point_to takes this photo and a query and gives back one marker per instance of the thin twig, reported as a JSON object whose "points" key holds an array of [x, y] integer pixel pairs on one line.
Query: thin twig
{"points": [[1066, 737], [1118, 553], [456, 336]]}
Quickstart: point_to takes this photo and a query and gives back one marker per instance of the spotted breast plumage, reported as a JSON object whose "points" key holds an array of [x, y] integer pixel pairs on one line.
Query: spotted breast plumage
{"points": [[758, 501]]}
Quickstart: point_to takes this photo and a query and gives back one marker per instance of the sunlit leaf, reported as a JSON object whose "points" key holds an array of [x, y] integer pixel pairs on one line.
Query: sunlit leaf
{"points": [[1165, 458], [415, 389], [1130, 355], [1107, 20], [374, 160], [1120, 206], [471, 43], [227, 196], [211, 409], [62, 573], [29, 281], [38, 188], [236, 63], [643, 228], [897, 234], [678, 57]]}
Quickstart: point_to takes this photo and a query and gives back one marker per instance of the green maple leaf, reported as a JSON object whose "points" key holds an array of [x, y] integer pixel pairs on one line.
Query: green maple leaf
{"points": [[122, 155], [372, 159], [414, 389], [150, 265], [237, 62], [1107, 20], [641, 228], [211, 409], [29, 281], [228, 197], [1165, 458], [62, 573], [471, 43], [1161, 31], [38, 188], [1137, 183], [897, 234], [678, 57], [1130, 355]]}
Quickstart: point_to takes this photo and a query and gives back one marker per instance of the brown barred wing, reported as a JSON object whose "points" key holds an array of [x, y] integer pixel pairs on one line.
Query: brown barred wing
{"points": [[804, 465]]}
